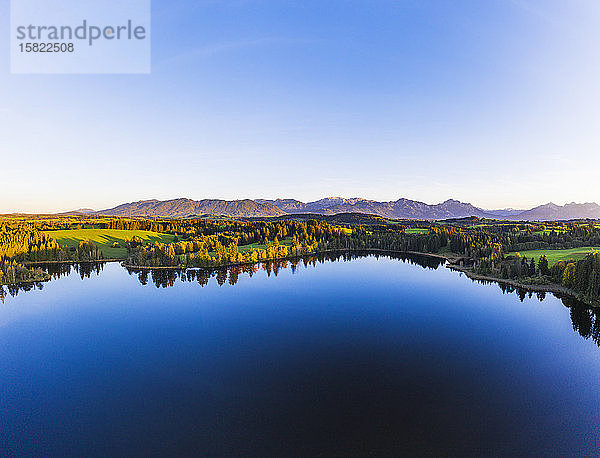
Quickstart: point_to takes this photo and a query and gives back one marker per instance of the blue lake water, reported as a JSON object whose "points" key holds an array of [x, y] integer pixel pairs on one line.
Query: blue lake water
{"points": [[367, 355]]}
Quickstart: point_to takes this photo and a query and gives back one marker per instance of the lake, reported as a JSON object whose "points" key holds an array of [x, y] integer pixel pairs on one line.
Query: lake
{"points": [[364, 355]]}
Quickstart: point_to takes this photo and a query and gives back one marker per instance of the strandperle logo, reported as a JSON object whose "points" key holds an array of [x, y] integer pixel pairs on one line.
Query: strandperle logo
{"points": [[80, 36], [82, 32]]}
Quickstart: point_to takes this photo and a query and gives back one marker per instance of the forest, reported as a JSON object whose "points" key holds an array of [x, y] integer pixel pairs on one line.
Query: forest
{"points": [[484, 247]]}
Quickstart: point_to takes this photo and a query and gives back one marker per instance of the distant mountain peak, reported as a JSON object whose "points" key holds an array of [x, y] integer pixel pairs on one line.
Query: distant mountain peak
{"points": [[400, 209], [551, 211]]}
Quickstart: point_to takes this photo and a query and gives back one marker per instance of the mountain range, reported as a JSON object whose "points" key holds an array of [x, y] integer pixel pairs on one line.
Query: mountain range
{"points": [[187, 207], [398, 209]]}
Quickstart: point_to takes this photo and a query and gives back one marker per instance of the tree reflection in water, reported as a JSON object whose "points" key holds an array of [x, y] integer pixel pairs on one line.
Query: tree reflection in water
{"points": [[163, 278], [55, 270], [585, 320]]}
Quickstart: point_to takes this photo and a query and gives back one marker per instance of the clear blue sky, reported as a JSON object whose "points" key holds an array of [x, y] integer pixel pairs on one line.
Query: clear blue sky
{"points": [[490, 102]]}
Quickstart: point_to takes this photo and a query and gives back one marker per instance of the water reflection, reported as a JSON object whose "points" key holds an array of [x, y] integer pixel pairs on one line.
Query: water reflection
{"points": [[56, 271], [84, 269], [163, 278], [585, 320], [14, 289]]}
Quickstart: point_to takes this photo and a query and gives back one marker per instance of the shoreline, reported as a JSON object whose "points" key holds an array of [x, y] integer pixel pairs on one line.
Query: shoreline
{"points": [[34, 263], [287, 258], [231, 264], [547, 288], [452, 263]]}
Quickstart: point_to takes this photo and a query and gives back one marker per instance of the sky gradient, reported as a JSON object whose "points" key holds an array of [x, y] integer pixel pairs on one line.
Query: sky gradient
{"points": [[496, 103]]}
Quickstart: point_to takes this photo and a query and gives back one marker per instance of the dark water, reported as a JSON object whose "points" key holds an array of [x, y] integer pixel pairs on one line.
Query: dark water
{"points": [[358, 356]]}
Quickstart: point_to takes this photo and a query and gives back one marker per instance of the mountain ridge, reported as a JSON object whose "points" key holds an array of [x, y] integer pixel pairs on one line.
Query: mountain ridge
{"points": [[551, 211], [399, 209], [184, 207]]}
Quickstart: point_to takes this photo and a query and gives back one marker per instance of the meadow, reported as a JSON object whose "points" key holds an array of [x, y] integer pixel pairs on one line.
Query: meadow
{"points": [[105, 238], [559, 255], [416, 230], [243, 248]]}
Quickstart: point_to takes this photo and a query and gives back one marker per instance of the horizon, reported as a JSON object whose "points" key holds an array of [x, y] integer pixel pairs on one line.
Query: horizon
{"points": [[494, 104]]}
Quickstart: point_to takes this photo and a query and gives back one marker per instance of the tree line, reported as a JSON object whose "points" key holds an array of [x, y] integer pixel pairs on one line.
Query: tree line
{"points": [[216, 242]]}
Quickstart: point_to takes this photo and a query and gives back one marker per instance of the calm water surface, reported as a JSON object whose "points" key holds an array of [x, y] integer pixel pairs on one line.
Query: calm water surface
{"points": [[358, 356]]}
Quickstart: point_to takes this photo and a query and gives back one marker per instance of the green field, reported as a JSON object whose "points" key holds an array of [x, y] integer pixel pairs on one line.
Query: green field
{"points": [[549, 231], [243, 248], [104, 238], [416, 230], [559, 255]]}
